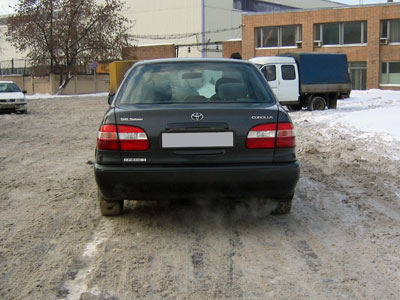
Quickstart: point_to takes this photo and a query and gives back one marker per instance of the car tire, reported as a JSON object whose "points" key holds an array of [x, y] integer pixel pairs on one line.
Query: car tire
{"points": [[110, 208], [317, 103], [284, 206]]}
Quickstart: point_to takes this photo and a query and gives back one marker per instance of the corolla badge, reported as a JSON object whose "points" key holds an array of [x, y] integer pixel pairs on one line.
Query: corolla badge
{"points": [[197, 116], [262, 117]]}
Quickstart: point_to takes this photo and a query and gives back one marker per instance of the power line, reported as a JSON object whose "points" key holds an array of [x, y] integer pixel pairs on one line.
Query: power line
{"points": [[180, 35]]}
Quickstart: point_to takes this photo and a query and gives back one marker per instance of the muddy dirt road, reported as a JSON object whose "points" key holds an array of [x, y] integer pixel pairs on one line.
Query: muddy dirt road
{"points": [[340, 242]]}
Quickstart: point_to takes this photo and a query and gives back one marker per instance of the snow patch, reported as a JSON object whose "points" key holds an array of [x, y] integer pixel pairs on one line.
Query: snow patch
{"points": [[371, 115], [48, 96]]}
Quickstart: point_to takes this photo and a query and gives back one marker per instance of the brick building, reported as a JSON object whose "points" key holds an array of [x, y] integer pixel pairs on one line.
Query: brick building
{"points": [[149, 52], [369, 35]]}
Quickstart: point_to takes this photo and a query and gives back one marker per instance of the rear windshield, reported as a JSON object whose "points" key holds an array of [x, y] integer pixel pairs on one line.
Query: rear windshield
{"points": [[196, 82], [9, 88]]}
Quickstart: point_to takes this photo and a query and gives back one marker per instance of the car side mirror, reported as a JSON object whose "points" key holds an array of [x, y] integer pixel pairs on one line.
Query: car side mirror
{"points": [[110, 98], [24, 92]]}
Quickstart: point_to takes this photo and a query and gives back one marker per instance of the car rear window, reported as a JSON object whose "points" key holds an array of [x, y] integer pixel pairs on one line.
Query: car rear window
{"points": [[194, 82]]}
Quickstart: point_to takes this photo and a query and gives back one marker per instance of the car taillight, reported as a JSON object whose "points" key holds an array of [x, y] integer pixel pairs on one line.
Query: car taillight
{"points": [[261, 136], [268, 136], [285, 136], [108, 138], [122, 137], [132, 138]]}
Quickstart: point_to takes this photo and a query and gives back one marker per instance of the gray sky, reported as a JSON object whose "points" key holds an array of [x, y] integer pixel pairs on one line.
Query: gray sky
{"points": [[4, 9]]}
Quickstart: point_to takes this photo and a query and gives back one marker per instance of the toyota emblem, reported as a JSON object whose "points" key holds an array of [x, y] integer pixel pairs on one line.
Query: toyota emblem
{"points": [[197, 116]]}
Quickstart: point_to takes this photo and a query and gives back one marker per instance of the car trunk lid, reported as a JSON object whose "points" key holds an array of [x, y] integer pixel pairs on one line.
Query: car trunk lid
{"points": [[197, 133]]}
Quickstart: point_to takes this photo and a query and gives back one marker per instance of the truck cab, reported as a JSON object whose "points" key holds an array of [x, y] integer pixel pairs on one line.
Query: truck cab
{"points": [[282, 76]]}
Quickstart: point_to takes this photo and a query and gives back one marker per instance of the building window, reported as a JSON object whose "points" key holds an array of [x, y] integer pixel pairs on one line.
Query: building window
{"points": [[358, 75], [278, 36], [347, 33], [390, 30], [259, 6], [330, 34], [390, 72], [354, 33]]}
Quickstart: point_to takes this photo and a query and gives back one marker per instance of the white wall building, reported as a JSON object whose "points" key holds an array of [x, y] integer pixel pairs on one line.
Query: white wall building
{"points": [[201, 22], [195, 26]]}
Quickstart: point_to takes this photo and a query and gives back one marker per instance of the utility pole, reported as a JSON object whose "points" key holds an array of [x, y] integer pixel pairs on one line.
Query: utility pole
{"points": [[94, 66]]}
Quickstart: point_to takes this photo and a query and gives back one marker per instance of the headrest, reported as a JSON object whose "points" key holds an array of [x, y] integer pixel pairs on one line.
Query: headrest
{"points": [[232, 91], [224, 80], [157, 93]]}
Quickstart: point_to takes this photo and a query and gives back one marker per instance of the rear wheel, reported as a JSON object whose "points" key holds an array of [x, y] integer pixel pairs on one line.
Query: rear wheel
{"points": [[317, 103], [110, 208], [284, 206]]}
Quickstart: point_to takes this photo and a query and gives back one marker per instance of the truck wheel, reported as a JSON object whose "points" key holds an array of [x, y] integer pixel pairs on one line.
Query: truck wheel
{"points": [[109, 208], [317, 103], [284, 206], [294, 107]]}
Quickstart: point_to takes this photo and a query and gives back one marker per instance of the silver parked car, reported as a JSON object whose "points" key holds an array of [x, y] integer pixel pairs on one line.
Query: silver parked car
{"points": [[12, 98]]}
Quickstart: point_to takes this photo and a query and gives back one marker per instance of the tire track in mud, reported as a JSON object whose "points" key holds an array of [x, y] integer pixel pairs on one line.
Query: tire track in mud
{"points": [[234, 275], [212, 251], [193, 253], [313, 266], [82, 268], [343, 200], [280, 263]]}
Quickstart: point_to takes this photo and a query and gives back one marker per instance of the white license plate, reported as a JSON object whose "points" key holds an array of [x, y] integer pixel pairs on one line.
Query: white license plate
{"points": [[197, 139]]}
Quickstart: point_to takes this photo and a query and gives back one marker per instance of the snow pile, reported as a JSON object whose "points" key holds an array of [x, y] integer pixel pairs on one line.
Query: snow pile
{"points": [[372, 111], [371, 118]]}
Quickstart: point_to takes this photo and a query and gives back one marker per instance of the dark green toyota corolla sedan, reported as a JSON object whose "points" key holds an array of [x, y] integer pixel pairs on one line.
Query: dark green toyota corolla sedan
{"points": [[189, 128]]}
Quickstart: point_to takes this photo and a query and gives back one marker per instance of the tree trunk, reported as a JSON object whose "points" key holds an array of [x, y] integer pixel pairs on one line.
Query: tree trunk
{"points": [[60, 71], [64, 80]]}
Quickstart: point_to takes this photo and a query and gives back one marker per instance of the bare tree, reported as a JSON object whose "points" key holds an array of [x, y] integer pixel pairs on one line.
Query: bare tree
{"points": [[59, 33]]}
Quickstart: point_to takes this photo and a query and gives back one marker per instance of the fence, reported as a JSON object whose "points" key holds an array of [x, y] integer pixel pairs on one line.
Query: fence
{"points": [[15, 67], [79, 84]]}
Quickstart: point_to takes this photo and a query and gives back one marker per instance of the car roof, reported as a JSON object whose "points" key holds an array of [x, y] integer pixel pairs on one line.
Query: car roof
{"points": [[262, 60], [6, 81], [202, 60]]}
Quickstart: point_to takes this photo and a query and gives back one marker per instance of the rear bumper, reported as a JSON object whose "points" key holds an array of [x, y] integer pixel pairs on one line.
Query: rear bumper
{"points": [[276, 180]]}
